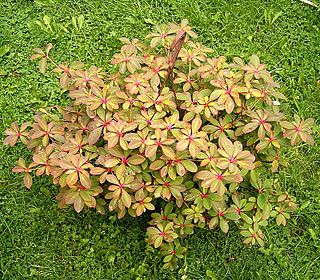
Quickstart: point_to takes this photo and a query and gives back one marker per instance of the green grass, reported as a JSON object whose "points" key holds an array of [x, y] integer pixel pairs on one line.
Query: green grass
{"points": [[38, 241]]}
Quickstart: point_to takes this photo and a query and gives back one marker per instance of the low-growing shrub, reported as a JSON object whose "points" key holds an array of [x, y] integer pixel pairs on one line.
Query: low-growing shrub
{"points": [[192, 138]]}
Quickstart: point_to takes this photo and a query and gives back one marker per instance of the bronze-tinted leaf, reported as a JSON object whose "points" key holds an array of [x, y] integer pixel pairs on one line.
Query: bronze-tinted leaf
{"points": [[126, 198], [27, 180], [43, 65], [78, 204]]}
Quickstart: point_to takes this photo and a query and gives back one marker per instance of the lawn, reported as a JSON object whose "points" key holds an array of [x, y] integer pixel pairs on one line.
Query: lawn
{"points": [[38, 241]]}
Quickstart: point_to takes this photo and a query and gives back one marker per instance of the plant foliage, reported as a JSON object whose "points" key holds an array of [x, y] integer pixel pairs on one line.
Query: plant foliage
{"points": [[193, 138]]}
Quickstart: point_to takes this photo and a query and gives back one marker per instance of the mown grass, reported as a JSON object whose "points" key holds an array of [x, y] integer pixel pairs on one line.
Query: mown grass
{"points": [[38, 241]]}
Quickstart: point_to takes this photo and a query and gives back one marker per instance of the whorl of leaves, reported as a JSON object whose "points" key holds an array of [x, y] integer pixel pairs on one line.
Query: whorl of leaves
{"points": [[173, 130]]}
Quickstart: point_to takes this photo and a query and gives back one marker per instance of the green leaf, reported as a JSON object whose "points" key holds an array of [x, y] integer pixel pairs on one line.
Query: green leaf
{"points": [[168, 209], [232, 216], [211, 275], [254, 178], [261, 201], [167, 258], [190, 166], [224, 225], [206, 203], [85, 195], [281, 220], [187, 211], [158, 241], [245, 233], [246, 218]]}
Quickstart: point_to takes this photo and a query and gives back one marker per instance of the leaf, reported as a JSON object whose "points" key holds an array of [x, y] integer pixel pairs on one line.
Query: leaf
{"points": [[157, 164], [196, 124], [245, 233], [213, 222], [72, 179], [111, 162], [136, 159], [211, 275], [85, 181], [168, 152], [70, 197], [43, 65], [255, 60], [94, 135], [204, 174], [187, 211], [281, 220], [27, 180], [168, 209], [229, 105], [120, 171], [206, 204], [232, 216], [100, 206], [193, 149], [126, 198], [91, 203], [78, 204], [167, 258], [190, 166], [254, 178], [287, 125], [224, 225], [48, 48], [158, 241], [36, 56], [250, 127], [182, 145], [278, 95], [261, 201], [151, 151], [246, 218]]}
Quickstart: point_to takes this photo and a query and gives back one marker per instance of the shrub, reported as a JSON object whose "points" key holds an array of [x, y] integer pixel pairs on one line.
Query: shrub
{"points": [[194, 139]]}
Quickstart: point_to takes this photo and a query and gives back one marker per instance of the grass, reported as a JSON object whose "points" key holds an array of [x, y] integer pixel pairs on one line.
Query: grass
{"points": [[38, 241]]}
